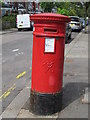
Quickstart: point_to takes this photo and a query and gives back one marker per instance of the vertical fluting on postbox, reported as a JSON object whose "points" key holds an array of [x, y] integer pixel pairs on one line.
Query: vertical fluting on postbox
{"points": [[47, 63]]}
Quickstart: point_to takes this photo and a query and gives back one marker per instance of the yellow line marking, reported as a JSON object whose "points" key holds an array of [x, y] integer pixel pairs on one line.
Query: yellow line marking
{"points": [[12, 88], [21, 74], [7, 93]]}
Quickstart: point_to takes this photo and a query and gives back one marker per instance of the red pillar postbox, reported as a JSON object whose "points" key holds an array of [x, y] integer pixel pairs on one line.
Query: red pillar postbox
{"points": [[47, 62]]}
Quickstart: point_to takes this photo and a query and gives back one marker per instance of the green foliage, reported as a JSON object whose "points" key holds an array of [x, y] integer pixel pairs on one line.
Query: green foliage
{"points": [[63, 12], [2, 3], [89, 12], [8, 21], [87, 8], [67, 8], [72, 12], [47, 6], [11, 18], [58, 10]]}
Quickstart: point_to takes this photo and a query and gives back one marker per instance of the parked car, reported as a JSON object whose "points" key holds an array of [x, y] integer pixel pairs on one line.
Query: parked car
{"points": [[82, 20], [21, 10], [23, 22], [68, 32], [75, 23]]}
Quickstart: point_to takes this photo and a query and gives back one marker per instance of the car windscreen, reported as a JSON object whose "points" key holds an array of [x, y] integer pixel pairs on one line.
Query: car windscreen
{"points": [[74, 19]]}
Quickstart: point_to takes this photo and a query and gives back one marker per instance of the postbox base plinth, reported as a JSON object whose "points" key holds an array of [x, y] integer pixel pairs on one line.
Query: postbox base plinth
{"points": [[45, 104]]}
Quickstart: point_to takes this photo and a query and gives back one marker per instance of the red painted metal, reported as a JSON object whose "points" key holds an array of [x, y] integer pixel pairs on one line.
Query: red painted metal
{"points": [[47, 68]]}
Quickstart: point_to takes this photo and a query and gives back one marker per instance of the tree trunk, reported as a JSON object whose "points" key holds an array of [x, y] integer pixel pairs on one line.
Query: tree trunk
{"points": [[16, 6], [86, 9], [26, 6]]}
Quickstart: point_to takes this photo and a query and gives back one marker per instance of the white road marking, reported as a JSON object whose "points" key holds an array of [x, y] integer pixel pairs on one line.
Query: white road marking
{"points": [[20, 53], [15, 50]]}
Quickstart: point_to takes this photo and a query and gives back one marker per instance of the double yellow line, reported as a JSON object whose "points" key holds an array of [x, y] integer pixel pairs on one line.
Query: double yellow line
{"points": [[8, 92]]}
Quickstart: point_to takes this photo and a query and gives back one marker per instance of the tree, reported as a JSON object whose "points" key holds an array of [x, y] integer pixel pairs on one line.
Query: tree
{"points": [[26, 6], [47, 6], [67, 8], [89, 12], [16, 6], [87, 6], [63, 11], [2, 4]]}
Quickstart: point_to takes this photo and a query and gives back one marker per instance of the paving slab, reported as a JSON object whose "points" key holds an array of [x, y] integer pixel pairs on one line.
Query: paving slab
{"points": [[75, 110]]}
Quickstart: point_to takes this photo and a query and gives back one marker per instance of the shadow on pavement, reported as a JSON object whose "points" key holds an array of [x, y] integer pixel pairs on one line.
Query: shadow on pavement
{"points": [[69, 41], [71, 92]]}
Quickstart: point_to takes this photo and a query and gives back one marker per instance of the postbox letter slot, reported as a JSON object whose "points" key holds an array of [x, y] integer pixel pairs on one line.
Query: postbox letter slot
{"points": [[50, 30]]}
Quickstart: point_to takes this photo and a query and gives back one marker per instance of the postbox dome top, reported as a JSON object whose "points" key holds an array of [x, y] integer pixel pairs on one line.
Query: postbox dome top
{"points": [[50, 17]]}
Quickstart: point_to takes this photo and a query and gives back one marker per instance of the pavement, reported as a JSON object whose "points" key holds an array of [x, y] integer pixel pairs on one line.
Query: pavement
{"points": [[12, 30], [75, 82]]}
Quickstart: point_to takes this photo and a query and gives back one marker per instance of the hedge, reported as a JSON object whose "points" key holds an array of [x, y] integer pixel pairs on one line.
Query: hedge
{"points": [[8, 21]]}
